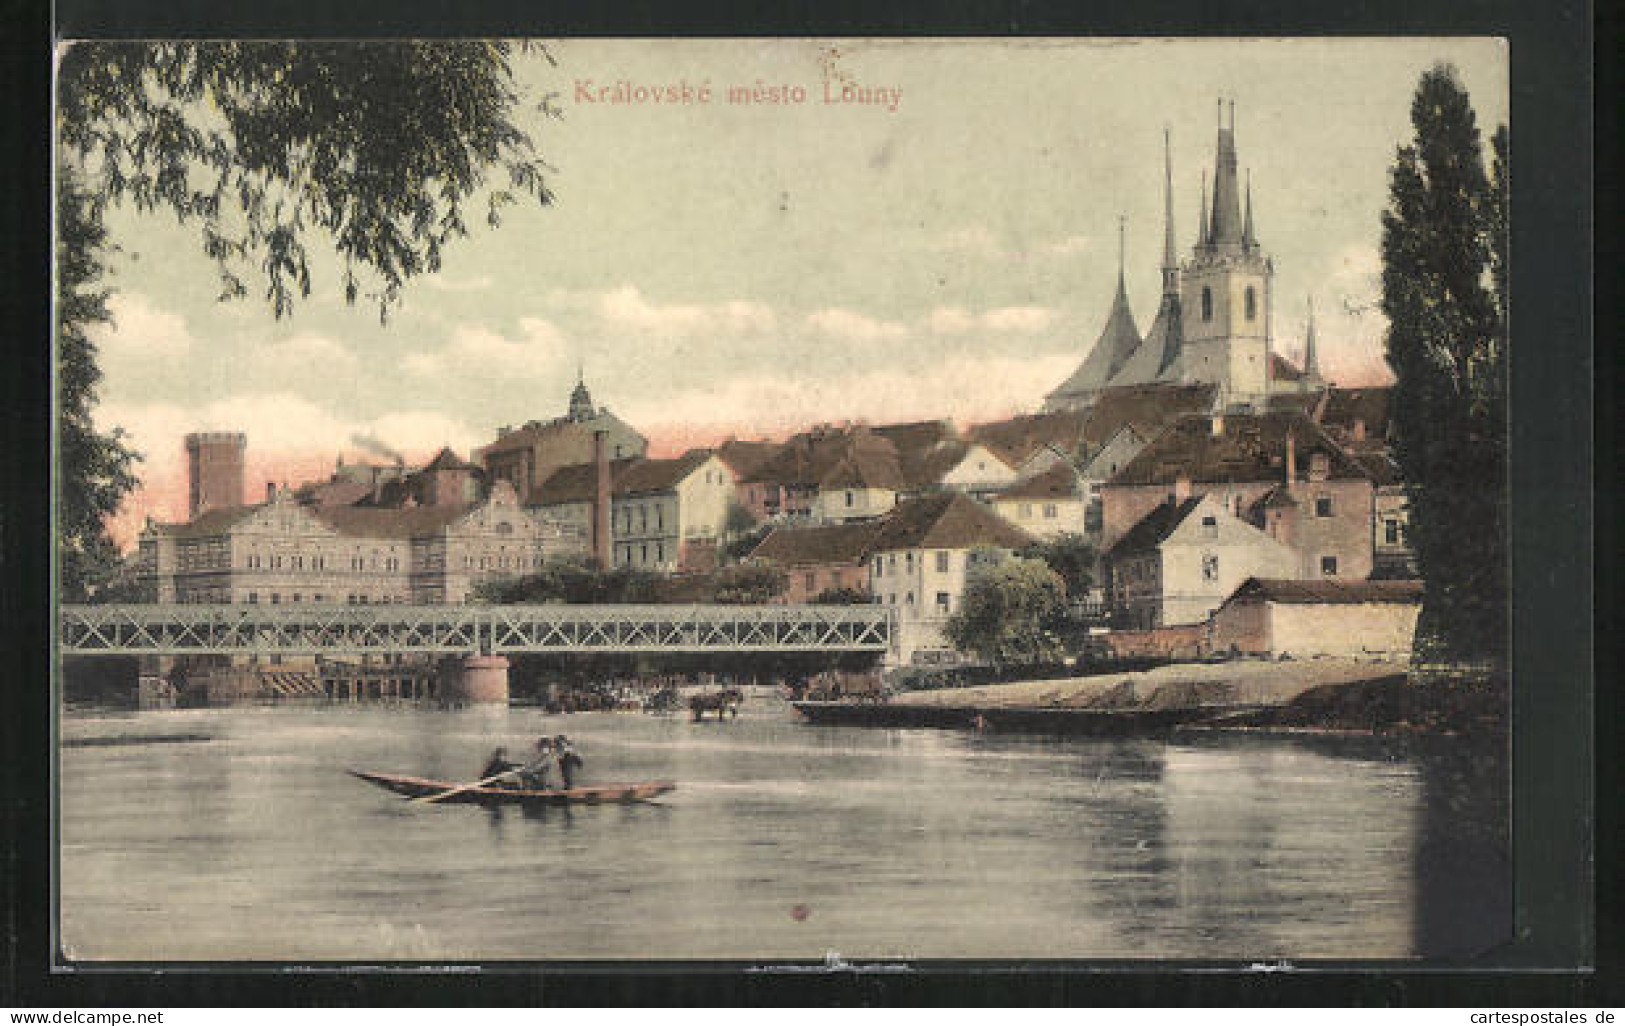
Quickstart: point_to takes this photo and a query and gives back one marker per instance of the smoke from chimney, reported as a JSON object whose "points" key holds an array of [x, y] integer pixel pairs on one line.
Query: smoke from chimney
{"points": [[376, 447]]}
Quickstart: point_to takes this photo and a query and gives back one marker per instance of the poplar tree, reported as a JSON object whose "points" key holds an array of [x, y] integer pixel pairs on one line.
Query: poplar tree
{"points": [[382, 150], [1444, 252]]}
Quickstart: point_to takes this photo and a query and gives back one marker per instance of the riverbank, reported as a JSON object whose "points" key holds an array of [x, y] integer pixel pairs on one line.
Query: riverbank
{"points": [[1316, 696]]}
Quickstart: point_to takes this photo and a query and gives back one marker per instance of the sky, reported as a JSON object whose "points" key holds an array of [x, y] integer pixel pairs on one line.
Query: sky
{"points": [[945, 245]]}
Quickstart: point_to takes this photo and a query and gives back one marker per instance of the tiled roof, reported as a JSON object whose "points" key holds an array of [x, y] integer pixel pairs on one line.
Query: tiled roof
{"points": [[215, 521], [743, 457], [659, 475], [1118, 340], [1149, 406], [947, 520], [917, 436], [866, 468], [1370, 406], [927, 467], [1381, 467], [1278, 497], [365, 522], [1058, 482], [1154, 528], [829, 544], [1017, 438], [1282, 369], [445, 459], [1334, 592], [577, 482], [1250, 447]]}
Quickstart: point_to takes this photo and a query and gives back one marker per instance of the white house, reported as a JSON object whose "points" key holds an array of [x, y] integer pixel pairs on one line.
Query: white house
{"points": [[918, 566], [1184, 558], [1047, 505], [1309, 618], [978, 472]]}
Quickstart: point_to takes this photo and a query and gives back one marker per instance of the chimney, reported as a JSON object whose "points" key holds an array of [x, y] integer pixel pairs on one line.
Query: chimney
{"points": [[602, 547], [1182, 488], [1218, 425], [1291, 456], [376, 487], [1359, 430]]}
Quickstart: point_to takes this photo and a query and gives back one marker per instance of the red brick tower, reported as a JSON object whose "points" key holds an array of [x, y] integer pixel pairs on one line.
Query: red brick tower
{"points": [[214, 471]]}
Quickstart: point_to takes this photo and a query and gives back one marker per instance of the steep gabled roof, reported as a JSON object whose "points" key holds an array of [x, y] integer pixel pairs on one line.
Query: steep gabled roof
{"points": [[1328, 592], [1154, 528], [445, 459], [1148, 406], [916, 436], [866, 467], [1249, 447], [947, 520], [1058, 482], [1117, 342], [1016, 439], [643, 476], [743, 457], [824, 545]]}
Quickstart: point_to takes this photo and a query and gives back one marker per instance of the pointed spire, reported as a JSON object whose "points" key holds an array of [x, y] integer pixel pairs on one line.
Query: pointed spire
{"points": [[1201, 217], [1170, 262], [1226, 222], [1311, 366], [1122, 228], [1247, 238]]}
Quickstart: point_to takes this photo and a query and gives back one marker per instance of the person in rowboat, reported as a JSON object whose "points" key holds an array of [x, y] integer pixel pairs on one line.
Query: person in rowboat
{"points": [[497, 765], [569, 760], [536, 772]]}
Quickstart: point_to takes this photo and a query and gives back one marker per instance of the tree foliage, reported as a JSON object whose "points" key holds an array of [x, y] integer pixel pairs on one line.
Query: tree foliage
{"points": [[379, 146], [98, 469], [573, 583], [1010, 613], [748, 584], [1444, 249], [1072, 558], [842, 596]]}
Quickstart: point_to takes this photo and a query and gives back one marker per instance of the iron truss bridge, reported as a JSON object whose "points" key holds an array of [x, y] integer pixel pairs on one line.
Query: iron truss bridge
{"points": [[472, 630]]}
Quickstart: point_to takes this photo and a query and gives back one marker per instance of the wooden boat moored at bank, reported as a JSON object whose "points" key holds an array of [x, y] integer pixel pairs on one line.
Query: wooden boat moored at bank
{"points": [[596, 794]]}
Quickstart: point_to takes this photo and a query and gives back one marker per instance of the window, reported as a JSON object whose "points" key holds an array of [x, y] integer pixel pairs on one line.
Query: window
{"points": [[1210, 527], [297, 597], [1252, 304], [1323, 505], [812, 580], [643, 553], [660, 552], [880, 567], [943, 599], [643, 518], [909, 599], [504, 528], [1050, 511], [660, 518], [1390, 532], [849, 500], [942, 562], [1210, 566], [299, 562], [1328, 566], [1207, 303], [253, 598], [276, 599], [908, 562], [1026, 511], [891, 561]]}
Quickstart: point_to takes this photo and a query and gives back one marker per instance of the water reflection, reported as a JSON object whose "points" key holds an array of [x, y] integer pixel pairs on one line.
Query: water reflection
{"points": [[783, 841]]}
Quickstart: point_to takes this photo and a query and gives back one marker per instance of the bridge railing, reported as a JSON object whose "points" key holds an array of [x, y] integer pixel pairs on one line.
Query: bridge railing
{"points": [[311, 629]]}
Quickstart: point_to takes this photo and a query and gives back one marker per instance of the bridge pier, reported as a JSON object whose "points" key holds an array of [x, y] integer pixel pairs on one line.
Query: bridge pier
{"points": [[474, 680]]}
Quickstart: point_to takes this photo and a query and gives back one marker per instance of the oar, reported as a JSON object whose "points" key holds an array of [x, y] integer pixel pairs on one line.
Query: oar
{"points": [[427, 798]]}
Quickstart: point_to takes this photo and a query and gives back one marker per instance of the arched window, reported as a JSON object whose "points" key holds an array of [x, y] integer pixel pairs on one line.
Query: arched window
{"points": [[1207, 303], [1252, 304]]}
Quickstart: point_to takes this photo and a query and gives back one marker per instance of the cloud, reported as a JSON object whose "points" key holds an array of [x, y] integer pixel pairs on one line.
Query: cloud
{"points": [[445, 283], [295, 357], [480, 353], [141, 329], [1072, 245], [1016, 320], [848, 324]]}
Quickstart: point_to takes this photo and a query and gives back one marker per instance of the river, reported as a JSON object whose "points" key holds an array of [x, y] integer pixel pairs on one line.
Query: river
{"points": [[783, 842]]}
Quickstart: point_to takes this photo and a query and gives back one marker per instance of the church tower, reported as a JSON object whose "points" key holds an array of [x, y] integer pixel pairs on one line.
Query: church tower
{"points": [[1225, 289]]}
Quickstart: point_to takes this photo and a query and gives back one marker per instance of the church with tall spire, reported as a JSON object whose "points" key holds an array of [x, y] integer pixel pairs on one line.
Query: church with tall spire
{"points": [[1215, 317]]}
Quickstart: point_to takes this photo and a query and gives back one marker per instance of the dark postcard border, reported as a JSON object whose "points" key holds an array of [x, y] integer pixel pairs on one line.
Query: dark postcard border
{"points": [[1552, 393]]}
